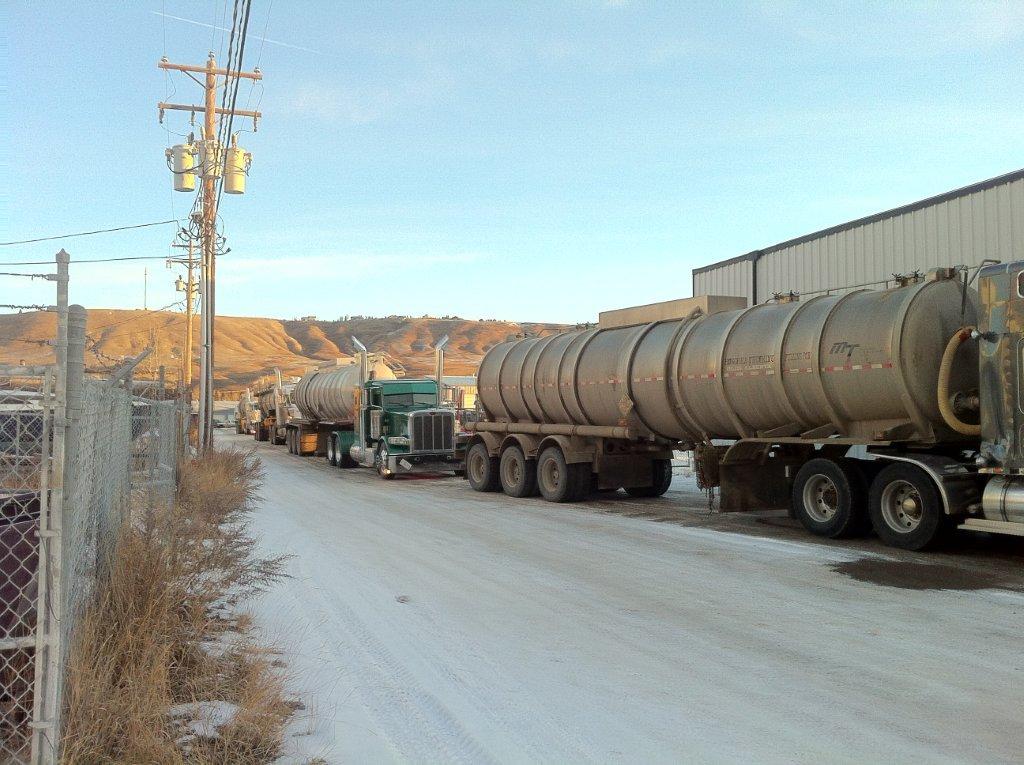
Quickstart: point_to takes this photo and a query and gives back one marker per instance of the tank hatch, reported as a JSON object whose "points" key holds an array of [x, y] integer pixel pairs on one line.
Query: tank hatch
{"points": [[669, 309]]}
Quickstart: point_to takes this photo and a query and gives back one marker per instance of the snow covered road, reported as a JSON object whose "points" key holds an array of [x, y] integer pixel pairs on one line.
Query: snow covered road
{"points": [[424, 622]]}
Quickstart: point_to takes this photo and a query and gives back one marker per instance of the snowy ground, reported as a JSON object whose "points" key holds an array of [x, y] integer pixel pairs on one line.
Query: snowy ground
{"points": [[424, 622]]}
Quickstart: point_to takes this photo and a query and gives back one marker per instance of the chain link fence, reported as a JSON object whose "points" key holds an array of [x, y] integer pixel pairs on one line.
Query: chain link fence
{"points": [[78, 456]]}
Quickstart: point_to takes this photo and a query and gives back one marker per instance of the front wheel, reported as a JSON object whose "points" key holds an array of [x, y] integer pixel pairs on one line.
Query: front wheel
{"points": [[906, 509], [380, 463]]}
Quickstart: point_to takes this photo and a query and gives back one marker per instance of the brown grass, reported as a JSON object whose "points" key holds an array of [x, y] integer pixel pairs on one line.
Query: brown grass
{"points": [[163, 631]]}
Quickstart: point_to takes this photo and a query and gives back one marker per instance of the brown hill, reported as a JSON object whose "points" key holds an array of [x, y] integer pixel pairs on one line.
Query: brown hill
{"points": [[248, 348]]}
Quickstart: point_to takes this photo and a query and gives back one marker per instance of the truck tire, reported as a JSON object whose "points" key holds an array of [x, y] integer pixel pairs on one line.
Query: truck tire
{"points": [[332, 451], [518, 475], [828, 498], [482, 469], [661, 480], [380, 461], [906, 509], [561, 482]]}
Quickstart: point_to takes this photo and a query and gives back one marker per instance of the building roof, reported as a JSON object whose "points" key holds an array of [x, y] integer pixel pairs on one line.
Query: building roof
{"points": [[999, 180]]}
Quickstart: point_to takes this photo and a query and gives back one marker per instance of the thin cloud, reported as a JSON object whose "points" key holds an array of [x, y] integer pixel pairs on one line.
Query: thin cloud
{"points": [[222, 29]]}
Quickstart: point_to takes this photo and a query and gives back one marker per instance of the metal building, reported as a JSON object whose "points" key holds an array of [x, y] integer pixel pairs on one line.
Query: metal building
{"points": [[966, 226]]}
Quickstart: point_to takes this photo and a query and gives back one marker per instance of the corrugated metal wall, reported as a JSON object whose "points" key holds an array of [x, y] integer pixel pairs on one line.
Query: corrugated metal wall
{"points": [[732, 279], [964, 229]]}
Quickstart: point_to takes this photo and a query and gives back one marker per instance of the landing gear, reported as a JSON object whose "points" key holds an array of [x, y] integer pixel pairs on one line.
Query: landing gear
{"points": [[660, 480]]}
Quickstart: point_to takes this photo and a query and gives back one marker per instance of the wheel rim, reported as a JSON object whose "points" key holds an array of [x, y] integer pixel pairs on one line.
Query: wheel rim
{"points": [[476, 467], [550, 475], [902, 507], [513, 471], [821, 498]]}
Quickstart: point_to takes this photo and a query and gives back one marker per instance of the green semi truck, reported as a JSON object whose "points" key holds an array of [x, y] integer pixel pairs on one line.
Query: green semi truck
{"points": [[360, 414]]}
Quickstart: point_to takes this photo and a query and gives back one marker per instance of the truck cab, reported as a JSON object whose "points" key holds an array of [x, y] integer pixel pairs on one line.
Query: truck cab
{"points": [[401, 428]]}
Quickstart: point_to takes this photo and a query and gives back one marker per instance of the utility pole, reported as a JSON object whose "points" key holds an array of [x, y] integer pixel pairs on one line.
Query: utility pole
{"points": [[213, 165]]}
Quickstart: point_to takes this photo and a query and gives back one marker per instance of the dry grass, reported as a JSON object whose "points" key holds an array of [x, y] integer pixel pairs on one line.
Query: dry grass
{"points": [[163, 631]]}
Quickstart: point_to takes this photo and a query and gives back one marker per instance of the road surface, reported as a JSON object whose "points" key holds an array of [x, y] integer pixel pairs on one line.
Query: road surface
{"points": [[424, 622]]}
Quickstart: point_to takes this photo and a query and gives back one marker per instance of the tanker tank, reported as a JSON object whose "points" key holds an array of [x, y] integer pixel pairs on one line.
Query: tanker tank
{"points": [[863, 365], [328, 394]]}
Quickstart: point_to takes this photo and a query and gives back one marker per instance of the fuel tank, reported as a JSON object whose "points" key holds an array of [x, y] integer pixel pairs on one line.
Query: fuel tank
{"points": [[863, 365], [328, 394]]}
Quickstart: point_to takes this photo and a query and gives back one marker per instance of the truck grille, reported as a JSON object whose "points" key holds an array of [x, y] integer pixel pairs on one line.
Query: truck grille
{"points": [[432, 431]]}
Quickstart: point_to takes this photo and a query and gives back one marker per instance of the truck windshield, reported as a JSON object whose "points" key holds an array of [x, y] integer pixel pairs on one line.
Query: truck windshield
{"points": [[408, 399]]}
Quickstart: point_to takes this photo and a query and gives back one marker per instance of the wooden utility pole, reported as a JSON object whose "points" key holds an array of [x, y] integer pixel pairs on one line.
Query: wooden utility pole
{"points": [[213, 155]]}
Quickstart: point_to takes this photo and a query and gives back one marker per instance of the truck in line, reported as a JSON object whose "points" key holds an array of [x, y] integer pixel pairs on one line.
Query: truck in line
{"points": [[361, 413], [900, 410], [247, 413], [272, 396]]}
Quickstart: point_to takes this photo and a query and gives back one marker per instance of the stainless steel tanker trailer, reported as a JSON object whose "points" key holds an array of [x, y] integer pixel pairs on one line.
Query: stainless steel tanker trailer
{"points": [[898, 409], [247, 413], [272, 399], [358, 412]]}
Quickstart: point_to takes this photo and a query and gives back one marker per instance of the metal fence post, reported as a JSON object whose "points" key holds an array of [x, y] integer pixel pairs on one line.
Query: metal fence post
{"points": [[46, 706]]}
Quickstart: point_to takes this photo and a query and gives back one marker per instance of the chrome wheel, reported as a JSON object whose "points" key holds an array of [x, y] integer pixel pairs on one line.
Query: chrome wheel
{"points": [[902, 507], [821, 498]]}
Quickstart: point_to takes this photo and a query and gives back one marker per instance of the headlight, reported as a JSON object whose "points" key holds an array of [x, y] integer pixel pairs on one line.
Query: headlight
{"points": [[398, 440]]}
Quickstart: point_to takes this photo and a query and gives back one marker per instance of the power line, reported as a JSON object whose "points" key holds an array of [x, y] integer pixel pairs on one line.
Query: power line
{"points": [[88, 233], [96, 260], [238, 82]]}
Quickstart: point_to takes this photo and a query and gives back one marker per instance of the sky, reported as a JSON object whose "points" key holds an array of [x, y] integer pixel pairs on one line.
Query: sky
{"points": [[532, 161]]}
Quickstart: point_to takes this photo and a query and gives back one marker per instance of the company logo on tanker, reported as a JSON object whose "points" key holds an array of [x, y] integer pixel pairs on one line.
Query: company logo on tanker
{"points": [[843, 348]]}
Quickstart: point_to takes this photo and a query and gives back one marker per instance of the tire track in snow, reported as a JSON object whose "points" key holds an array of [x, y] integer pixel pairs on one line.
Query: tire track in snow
{"points": [[415, 723]]}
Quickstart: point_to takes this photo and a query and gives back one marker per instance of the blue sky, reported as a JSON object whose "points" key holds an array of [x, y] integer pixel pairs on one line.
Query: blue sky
{"points": [[527, 160]]}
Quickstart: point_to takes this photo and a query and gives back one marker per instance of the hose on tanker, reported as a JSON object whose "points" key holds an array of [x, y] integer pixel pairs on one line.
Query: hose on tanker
{"points": [[945, 369]]}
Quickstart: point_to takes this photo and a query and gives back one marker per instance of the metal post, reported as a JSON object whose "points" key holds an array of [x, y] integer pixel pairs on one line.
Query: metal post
{"points": [[75, 382], [48, 665]]}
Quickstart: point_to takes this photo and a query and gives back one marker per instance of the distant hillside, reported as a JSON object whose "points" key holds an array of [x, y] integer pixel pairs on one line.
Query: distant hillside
{"points": [[250, 347]]}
